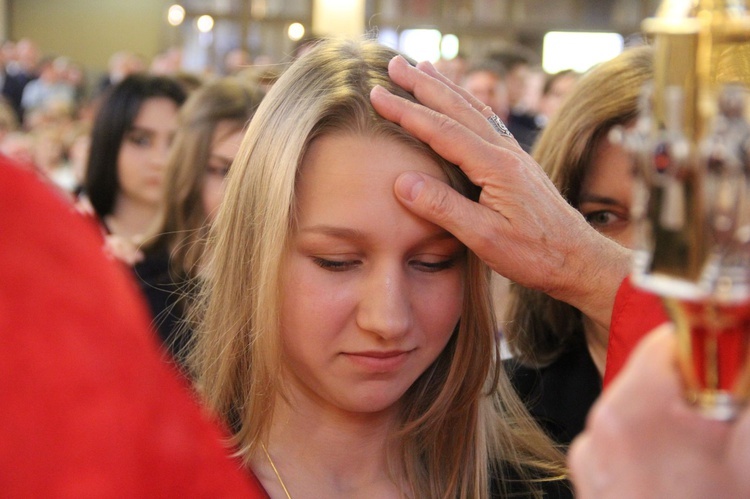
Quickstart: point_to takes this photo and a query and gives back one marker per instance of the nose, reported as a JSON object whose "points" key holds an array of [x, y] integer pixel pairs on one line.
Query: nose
{"points": [[385, 303], [160, 154]]}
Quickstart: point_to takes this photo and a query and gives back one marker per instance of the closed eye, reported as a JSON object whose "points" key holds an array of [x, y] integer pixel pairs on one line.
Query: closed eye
{"points": [[431, 267], [139, 137], [218, 170], [335, 265]]}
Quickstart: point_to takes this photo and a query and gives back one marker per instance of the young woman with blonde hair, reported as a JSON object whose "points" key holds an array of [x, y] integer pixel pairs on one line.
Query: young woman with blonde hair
{"points": [[349, 344]]}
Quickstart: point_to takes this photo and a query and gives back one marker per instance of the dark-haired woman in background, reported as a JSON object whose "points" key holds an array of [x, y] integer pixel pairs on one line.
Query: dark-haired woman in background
{"points": [[130, 143]]}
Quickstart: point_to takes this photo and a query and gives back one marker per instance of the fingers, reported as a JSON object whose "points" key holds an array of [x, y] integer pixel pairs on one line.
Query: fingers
{"points": [[434, 93], [438, 203], [650, 377], [653, 359], [587, 475], [642, 438], [451, 123], [446, 136], [428, 68], [738, 454], [620, 420], [440, 94]]}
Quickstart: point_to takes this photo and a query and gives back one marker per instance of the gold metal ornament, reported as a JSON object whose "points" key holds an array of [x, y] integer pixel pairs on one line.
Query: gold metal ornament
{"points": [[691, 148]]}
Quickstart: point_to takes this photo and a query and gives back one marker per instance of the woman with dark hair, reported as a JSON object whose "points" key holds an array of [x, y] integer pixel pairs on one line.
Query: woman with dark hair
{"points": [[129, 147]]}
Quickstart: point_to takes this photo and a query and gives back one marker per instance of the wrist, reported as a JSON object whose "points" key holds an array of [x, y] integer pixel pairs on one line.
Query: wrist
{"points": [[594, 269]]}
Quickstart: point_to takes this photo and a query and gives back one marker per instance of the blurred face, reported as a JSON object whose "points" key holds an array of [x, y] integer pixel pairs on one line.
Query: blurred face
{"points": [[18, 146], [28, 54], [488, 88], [607, 192], [516, 82], [532, 95], [371, 293], [559, 89], [143, 154], [224, 146]]}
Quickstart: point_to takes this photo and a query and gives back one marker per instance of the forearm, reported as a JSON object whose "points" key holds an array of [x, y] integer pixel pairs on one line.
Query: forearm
{"points": [[593, 271]]}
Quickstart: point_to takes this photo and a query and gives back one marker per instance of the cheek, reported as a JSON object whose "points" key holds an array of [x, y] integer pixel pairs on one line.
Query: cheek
{"points": [[313, 318], [311, 304], [439, 308], [212, 194], [132, 161], [127, 166]]}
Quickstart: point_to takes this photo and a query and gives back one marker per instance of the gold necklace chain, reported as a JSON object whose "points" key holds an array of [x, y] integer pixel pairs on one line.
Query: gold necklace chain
{"points": [[273, 466]]}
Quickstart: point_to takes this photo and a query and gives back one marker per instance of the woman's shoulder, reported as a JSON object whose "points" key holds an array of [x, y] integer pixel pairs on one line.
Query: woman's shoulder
{"points": [[559, 395], [569, 370], [526, 380]]}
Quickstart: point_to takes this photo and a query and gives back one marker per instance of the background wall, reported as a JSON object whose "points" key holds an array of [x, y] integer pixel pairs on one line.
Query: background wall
{"points": [[3, 19], [89, 31]]}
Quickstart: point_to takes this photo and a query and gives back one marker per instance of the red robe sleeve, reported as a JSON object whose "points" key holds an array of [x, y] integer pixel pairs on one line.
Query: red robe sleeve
{"points": [[89, 407], [636, 312]]}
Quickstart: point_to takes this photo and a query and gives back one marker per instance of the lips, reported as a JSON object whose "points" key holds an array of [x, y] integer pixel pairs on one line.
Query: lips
{"points": [[379, 354], [379, 361]]}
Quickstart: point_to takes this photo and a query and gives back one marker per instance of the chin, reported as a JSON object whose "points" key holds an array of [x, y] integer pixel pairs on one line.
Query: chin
{"points": [[374, 402]]}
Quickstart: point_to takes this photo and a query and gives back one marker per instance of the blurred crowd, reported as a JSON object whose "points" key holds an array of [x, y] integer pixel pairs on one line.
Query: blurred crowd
{"points": [[49, 100]]}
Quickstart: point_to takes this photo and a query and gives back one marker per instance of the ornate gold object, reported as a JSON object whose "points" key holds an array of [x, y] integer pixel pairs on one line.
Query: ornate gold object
{"points": [[691, 146]]}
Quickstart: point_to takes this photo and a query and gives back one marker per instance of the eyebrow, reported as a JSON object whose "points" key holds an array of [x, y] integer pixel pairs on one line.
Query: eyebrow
{"points": [[135, 128], [593, 198], [357, 235]]}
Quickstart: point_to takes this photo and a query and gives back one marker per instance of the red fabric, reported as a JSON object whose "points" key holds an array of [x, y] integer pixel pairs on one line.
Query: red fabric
{"points": [[89, 408], [636, 312]]}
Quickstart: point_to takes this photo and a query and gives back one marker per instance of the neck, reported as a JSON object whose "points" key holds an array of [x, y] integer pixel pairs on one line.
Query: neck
{"points": [[131, 218], [320, 452], [597, 340]]}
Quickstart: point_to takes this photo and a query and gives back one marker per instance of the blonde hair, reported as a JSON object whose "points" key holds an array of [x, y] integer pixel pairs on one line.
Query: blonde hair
{"points": [[460, 419], [183, 229], [541, 328]]}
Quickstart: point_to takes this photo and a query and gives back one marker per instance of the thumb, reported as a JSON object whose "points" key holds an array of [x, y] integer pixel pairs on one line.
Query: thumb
{"points": [[439, 203]]}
